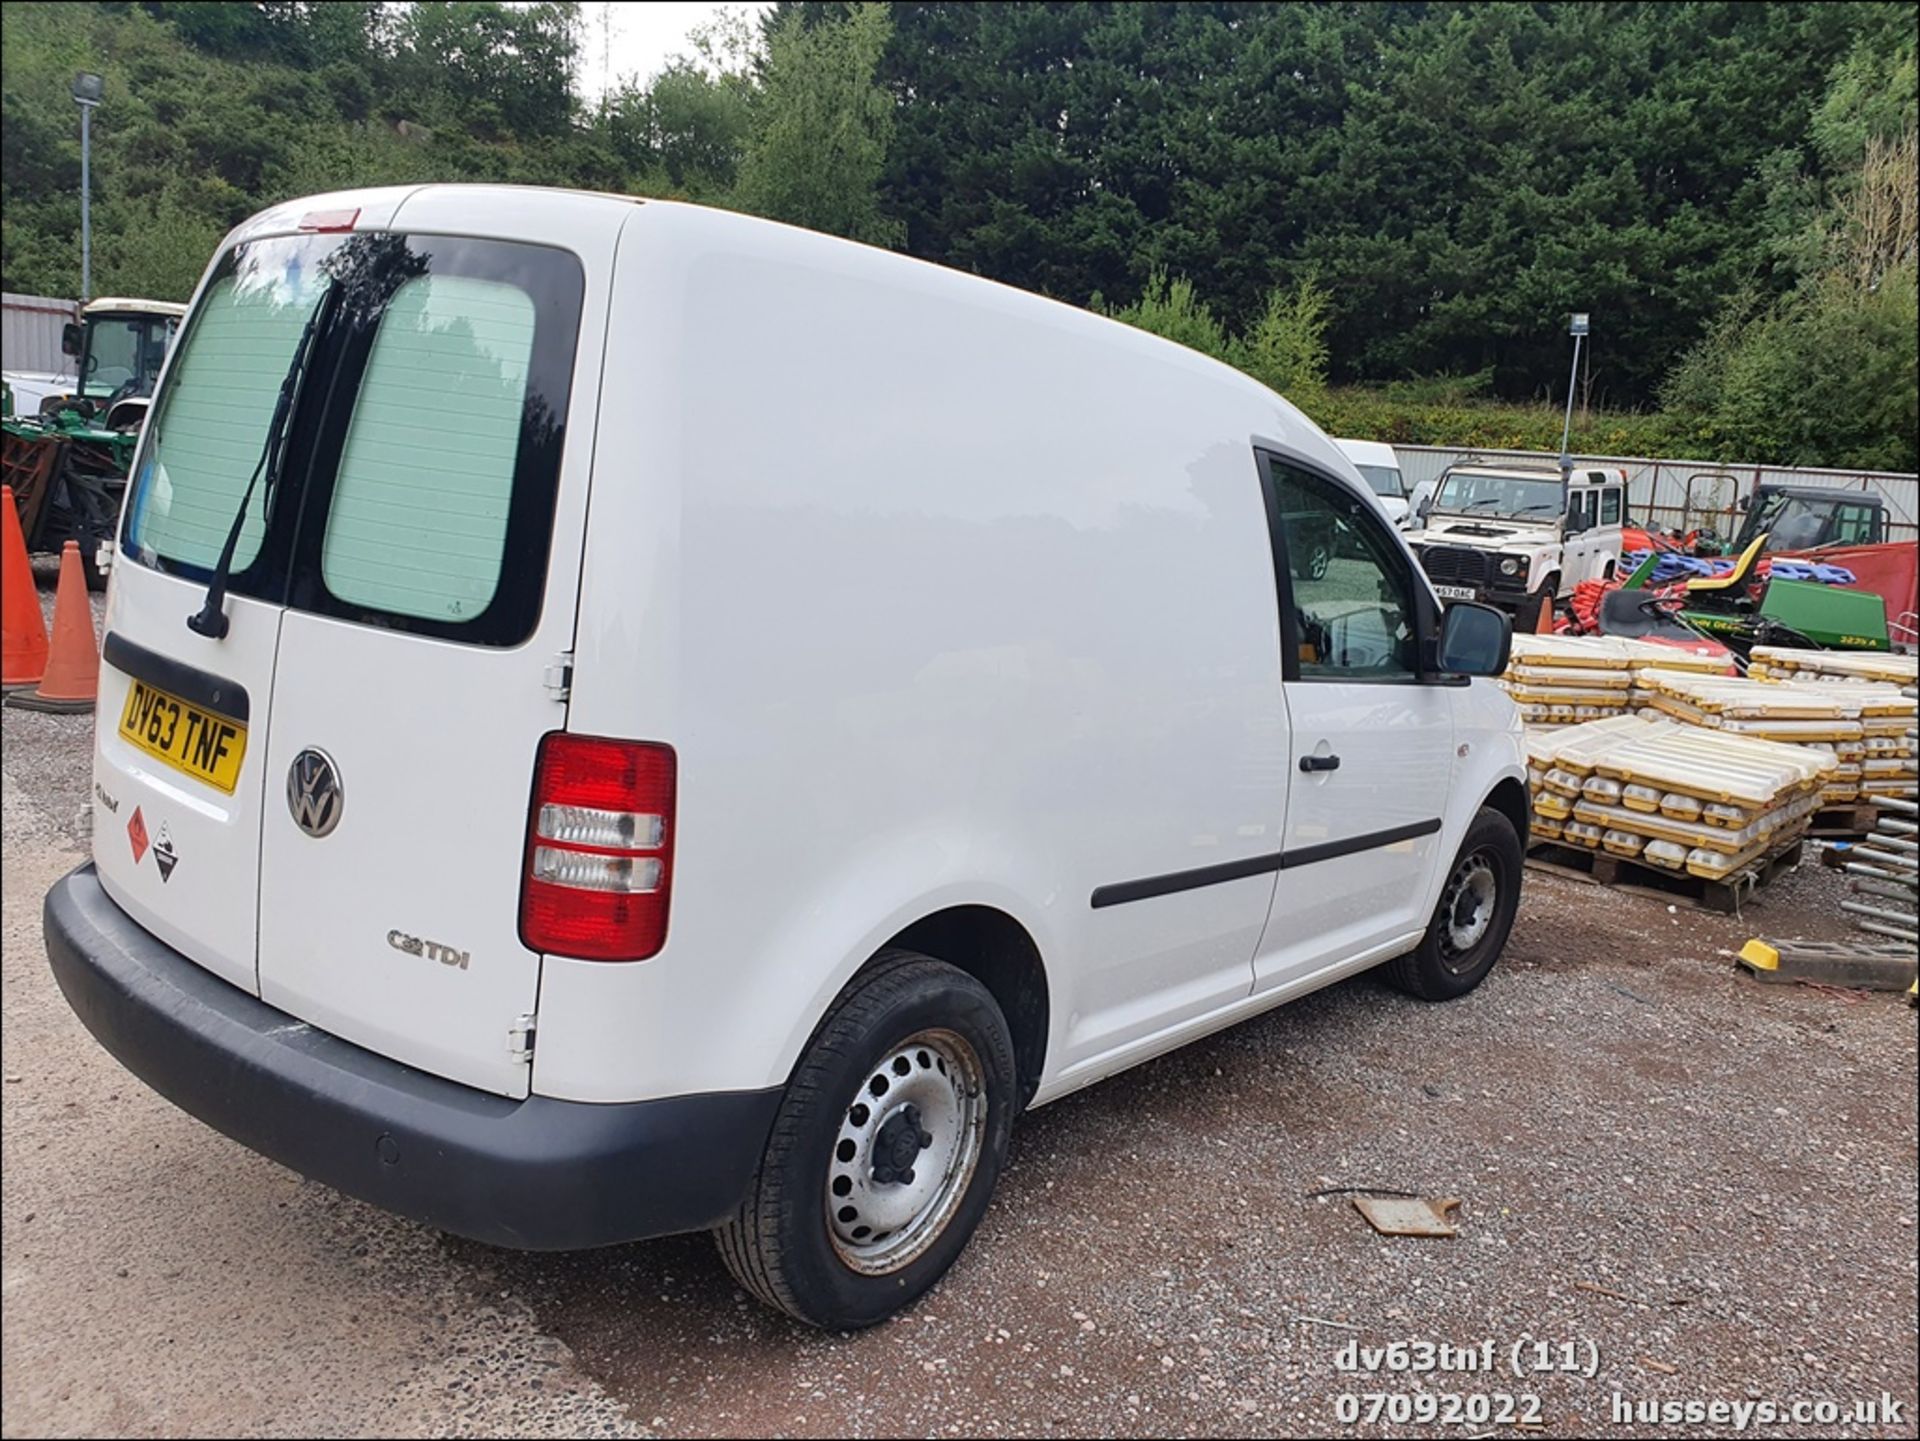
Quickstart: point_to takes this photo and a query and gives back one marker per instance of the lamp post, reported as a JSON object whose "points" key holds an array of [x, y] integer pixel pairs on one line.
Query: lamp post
{"points": [[1577, 330], [87, 89]]}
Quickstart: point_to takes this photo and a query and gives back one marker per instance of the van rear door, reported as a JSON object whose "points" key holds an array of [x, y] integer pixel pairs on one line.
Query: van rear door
{"points": [[429, 545], [182, 718]]}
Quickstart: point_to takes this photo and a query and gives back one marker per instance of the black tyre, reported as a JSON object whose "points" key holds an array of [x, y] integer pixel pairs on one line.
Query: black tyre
{"points": [[1548, 592], [884, 1151], [1478, 902]]}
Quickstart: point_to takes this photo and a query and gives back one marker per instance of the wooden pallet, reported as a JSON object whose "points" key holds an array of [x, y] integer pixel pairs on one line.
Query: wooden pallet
{"points": [[1855, 818], [1602, 868]]}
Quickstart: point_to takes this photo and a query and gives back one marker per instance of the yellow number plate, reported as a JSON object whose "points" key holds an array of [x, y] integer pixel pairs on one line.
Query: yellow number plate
{"points": [[206, 746]]}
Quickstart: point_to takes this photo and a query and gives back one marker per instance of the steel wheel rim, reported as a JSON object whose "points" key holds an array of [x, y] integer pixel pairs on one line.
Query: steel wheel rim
{"points": [[1467, 909], [890, 1195]]}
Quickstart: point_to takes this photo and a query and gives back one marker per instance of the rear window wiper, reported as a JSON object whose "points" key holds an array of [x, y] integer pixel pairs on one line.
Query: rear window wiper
{"points": [[211, 619]]}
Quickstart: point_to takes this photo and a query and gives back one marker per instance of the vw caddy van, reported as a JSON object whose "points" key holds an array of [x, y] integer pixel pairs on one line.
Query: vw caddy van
{"points": [[619, 718]]}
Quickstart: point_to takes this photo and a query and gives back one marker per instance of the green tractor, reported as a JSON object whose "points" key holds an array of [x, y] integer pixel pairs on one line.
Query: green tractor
{"points": [[68, 441]]}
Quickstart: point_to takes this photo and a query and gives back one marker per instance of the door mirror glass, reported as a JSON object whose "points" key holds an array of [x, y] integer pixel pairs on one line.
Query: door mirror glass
{"points": [[70, 339], [1474, 640]]}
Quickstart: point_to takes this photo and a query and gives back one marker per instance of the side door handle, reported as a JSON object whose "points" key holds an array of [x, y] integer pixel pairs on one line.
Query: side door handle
{"points": [[1319, 763]]}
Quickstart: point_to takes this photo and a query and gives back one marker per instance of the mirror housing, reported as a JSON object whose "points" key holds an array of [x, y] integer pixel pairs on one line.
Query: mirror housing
{"points": [[1474, 639], [70, 338]]}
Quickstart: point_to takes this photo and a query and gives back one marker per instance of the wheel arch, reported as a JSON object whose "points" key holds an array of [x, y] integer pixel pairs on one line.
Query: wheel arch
{"points": [[984, 940], [997, 951], [1509, 797]]}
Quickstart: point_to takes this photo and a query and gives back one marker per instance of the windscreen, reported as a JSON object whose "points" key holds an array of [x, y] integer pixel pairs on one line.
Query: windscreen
{"points": [[1466, 493], [1384, 479]]}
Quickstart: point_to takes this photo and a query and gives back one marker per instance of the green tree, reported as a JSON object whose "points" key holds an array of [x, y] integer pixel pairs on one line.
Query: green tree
{"points": [[1169, 308], [1286, 350], [821, 127]]}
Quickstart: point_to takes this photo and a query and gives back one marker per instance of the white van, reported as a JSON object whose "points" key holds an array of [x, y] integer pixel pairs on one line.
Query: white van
{"points": [[622, 718], [1379, 467]]}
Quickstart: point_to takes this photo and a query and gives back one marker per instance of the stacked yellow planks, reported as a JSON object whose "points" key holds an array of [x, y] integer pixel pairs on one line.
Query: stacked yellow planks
{"points": [[1562, 680], [1890, 760], [1676, 796], [1779, 662], [1847, 720]]}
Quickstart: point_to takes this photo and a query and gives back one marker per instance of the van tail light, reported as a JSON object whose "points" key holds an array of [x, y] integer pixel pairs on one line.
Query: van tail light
{"points": [[599, 861]]}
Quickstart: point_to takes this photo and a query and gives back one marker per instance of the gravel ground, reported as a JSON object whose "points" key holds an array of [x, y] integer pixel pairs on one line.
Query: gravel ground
{"points": [[1710, 1182]]}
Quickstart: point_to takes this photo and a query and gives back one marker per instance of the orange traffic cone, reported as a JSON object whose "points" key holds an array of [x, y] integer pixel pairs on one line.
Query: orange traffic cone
{"points": [[23, 630], [1544, 626], [73, 665]]}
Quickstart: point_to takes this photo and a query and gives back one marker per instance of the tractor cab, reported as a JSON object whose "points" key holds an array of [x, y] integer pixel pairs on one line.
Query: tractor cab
{"points": [[118, 346], [1806, 518]]}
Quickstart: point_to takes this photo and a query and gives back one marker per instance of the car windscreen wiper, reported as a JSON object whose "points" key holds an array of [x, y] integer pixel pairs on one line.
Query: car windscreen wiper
{"points": [[211, 619]]}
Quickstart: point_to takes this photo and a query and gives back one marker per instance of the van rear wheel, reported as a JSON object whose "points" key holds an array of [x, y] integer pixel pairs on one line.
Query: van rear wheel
{"points": [[885, 1149], [1470, 925]]}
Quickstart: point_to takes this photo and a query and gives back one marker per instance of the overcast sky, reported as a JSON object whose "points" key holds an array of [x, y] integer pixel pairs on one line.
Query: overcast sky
{"points": [[639, 36]]}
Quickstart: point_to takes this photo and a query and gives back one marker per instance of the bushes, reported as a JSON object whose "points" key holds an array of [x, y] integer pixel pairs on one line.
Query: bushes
{"points": [[1495, 425], [1169, 308], [1287, 348]]}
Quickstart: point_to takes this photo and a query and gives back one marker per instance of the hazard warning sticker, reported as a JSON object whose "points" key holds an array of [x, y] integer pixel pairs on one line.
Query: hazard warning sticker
{"points": [[164, 855]]}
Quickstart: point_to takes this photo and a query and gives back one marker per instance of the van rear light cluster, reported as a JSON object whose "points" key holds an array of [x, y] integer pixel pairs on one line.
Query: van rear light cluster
{"points": [[599, 864]]}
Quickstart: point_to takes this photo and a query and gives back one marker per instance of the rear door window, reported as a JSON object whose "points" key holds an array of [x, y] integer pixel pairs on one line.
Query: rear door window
{"points": [[422, 448], [210, 426], [1610, 507], [419, 513]]}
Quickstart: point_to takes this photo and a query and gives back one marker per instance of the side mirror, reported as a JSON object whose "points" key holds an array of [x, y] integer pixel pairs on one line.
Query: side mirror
{"points": [[1474, 640], [70, 339], [1575, 523]]}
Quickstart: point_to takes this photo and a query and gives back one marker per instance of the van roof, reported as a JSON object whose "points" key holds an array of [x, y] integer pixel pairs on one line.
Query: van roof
{"points": [[116, 304], [1368, 452], [484, 207]]}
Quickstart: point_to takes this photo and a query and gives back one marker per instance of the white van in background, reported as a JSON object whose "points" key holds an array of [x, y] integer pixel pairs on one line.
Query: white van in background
{"points": [[1380, 468], [621, 718]]}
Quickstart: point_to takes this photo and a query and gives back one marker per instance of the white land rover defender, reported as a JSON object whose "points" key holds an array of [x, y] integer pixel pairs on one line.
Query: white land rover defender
{"points": [[1509, 535]]}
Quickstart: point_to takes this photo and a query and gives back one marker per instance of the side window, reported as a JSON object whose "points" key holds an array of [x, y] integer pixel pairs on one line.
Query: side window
{"points": [[1853, 525], [1610, 506], [1353, 614]]}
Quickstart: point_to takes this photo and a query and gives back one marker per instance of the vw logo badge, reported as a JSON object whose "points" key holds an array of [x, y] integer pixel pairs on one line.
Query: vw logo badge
{"points": [[314, 794]]}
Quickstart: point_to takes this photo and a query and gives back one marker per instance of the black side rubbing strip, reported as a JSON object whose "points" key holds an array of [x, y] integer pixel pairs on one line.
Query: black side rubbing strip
{"points": [[1124, 891], [191, 684], [1307, 855]]}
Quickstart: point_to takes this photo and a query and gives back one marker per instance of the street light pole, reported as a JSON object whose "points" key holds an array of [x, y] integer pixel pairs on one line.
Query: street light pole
{"points": [[1577, 330], [87, 89]]}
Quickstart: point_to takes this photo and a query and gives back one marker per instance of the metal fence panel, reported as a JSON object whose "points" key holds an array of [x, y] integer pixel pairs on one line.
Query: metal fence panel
{"points": [[30, 332], [1688, 493]]}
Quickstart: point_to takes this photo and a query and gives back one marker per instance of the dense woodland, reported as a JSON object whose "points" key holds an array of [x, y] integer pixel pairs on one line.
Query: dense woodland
{"points": [[1386, 210]]}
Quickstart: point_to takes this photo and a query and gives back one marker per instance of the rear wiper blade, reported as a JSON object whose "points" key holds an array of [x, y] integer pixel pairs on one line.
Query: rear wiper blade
{"points": [[211, 619]]}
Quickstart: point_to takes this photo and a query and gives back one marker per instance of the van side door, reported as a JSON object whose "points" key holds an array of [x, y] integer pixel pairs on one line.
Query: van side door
{"points": [[1371, 751]]}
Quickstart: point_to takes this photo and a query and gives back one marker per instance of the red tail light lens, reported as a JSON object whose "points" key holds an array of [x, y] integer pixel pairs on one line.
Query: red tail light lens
{"points": [[599, 862]]}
